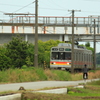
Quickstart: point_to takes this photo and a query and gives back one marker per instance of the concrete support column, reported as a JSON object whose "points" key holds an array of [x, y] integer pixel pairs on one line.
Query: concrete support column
{"points": [[26, 37], [65, 30], [2, 28], [16, 29], [33, 30], [54, 31], [23, 29], [44, 30], [13, 29]]}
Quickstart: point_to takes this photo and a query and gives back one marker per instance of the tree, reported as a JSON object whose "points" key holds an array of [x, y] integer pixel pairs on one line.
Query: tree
{"points": [[87, 44], [4, 60], [44, 50], [17, 52]]}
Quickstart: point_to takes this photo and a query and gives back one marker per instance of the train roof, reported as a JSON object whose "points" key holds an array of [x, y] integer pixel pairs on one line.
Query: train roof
{"points": [[70, 45]]}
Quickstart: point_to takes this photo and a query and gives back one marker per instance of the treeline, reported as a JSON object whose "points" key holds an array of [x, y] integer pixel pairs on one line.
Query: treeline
{"points": [[18, 53]]}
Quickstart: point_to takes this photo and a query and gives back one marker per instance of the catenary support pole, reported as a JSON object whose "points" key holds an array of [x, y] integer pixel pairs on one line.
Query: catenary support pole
{"points": [[72, 55], [94, 67], [36, 35]]}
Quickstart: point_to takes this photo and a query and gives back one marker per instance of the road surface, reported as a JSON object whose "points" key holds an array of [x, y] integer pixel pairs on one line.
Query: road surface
{"points": [[39, 85]]}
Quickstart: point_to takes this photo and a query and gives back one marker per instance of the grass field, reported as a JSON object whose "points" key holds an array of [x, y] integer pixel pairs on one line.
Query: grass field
{"points": [[39, 74], [90, 92]]}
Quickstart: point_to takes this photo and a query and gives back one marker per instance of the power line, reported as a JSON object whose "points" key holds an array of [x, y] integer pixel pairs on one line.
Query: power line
{"points": [[55, 3], [90, 12], [53, 9], [24, 6]]}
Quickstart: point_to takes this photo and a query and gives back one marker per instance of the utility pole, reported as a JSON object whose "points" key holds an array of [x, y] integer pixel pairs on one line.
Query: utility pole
{"points": [[72, 54], [94, 67], [36, 35]]}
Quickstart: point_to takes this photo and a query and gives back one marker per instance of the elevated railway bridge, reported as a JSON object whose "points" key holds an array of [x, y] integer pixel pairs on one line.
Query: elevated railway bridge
{"points": [[49, 27]]}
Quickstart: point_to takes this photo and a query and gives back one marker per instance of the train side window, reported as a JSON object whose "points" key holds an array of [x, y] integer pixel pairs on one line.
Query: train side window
{"points": [[75, 56], [85, 56], [79, 56], [82, 56]]}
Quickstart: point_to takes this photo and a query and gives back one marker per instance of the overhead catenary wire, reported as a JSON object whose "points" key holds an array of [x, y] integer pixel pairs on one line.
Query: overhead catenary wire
{"points": [[24, 7]]}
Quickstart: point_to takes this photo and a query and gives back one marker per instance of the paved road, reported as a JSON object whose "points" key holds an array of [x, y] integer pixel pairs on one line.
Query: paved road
{"points": [[39, 85]]}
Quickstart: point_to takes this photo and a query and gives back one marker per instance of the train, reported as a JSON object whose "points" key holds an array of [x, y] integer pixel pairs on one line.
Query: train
{"points": [[60, 57]]}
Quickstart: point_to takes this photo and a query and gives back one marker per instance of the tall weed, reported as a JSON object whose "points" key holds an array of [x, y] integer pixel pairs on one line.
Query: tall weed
{"points": [[39, 74], [62, 75]]}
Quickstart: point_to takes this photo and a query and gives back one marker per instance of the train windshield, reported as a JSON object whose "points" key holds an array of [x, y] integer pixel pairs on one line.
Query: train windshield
{"points": [[61, 55]]}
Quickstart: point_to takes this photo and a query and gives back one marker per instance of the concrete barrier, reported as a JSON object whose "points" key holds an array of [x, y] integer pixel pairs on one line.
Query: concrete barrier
{"points": [[11, 97], [55, 91]]}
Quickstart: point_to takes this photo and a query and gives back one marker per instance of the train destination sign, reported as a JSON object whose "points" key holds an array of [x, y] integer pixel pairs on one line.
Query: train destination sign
{"points": [[61, 49], [67, 49], [54, 49]]}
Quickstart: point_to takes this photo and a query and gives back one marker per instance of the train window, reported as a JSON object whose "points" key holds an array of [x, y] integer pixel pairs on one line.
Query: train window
{"points": [[55, 55], [82, 56], [78, 56], [58, 55], [75, 56], [68, 56], [62, 55]]}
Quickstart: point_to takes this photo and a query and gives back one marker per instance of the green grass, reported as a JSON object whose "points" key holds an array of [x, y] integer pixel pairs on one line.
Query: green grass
{"points": [[32, 74], [62, 75], [91, 90], [39, 74]]}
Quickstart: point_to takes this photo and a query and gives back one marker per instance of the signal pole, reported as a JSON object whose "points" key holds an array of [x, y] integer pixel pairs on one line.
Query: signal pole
{"points": [[36, 35], [72, 55]]}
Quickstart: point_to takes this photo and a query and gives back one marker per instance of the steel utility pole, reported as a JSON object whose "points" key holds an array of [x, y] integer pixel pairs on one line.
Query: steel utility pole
{"points": [[72, 55], [36, 35], [94, 67]]}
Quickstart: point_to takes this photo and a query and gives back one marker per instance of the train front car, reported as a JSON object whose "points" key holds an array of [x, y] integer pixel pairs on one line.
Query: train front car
{"points": [[61, 56]]}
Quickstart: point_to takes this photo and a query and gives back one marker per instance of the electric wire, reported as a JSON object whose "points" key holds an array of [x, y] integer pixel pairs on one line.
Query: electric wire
{"points": [[24, 7]]}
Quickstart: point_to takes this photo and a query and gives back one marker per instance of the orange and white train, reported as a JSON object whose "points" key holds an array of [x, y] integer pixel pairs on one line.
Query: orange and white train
{"points": [[60, 57]]}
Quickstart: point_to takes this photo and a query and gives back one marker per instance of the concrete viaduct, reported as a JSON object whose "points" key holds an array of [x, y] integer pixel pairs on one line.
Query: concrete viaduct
{"points": [[50, 27]]}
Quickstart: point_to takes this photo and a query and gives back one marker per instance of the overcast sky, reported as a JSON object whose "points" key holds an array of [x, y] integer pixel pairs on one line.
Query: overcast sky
{"points": [[52, 8]]}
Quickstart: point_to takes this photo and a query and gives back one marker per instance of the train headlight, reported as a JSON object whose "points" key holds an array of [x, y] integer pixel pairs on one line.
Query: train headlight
{"points": [[67, 63], [53, 62]]}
